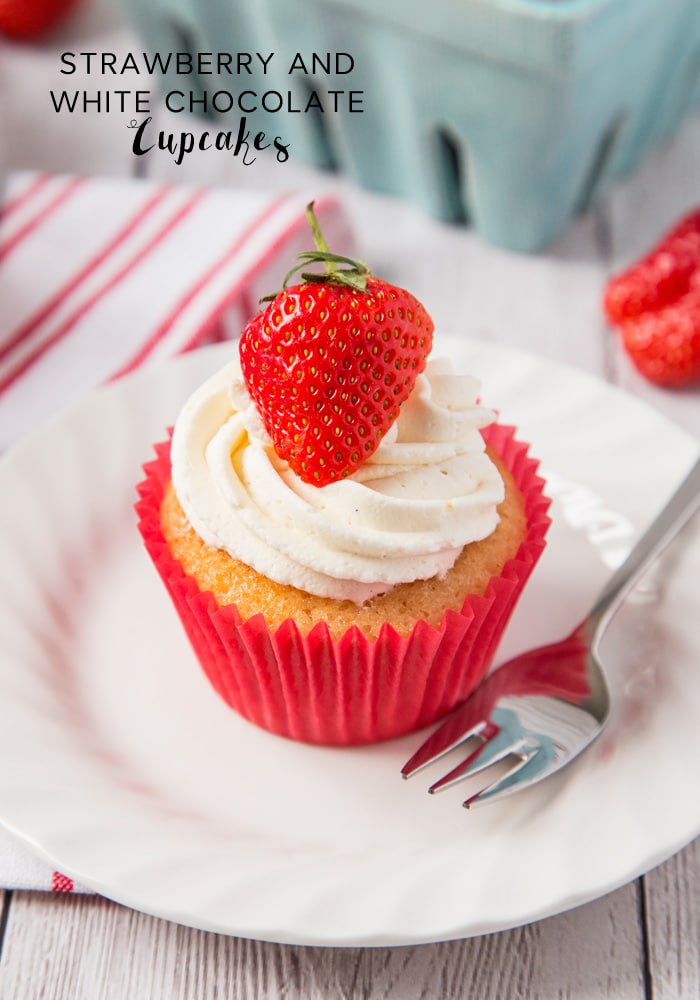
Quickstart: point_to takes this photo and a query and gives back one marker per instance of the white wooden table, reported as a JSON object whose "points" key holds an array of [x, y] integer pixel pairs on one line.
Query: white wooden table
{"points": [[640, 942]]}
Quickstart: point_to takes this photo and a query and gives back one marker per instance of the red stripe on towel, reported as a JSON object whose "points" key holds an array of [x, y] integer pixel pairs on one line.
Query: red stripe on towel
{"points": [[53, 303], [41, 216], [23, 196], [67, 326], [163, 329]]}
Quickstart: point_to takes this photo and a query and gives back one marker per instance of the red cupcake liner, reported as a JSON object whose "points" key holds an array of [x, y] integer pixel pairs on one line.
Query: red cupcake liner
{"points": [[352, 690]]}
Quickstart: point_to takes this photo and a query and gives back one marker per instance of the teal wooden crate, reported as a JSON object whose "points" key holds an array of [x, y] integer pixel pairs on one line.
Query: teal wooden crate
{"points": [[509, 115]]}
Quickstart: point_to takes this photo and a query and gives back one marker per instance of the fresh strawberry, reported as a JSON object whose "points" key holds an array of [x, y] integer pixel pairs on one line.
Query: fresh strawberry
{"points": [[330, 361], [656, 305], [658, 278], [26, 20], [665, 345]]}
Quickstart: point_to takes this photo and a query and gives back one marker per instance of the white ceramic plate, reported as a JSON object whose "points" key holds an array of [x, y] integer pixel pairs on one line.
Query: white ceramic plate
{"points": [[120, 766]]}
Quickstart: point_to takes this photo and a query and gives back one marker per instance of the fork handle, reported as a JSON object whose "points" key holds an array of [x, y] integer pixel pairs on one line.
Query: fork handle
{"points": [[679, 509]]}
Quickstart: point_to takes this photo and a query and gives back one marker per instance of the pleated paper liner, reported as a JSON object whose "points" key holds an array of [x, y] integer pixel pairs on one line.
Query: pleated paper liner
{"points": [[352, 690]]}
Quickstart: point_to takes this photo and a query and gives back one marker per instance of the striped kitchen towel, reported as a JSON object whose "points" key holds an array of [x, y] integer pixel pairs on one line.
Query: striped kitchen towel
{"points": [[99, 276]]}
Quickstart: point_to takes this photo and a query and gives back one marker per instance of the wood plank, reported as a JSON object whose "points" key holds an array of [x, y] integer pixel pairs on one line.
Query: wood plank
{"points": [[673, 920], [5, 899], [87, 948]]}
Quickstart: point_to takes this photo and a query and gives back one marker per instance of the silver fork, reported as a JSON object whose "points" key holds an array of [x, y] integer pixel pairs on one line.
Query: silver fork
{"points": [[541, 709]]}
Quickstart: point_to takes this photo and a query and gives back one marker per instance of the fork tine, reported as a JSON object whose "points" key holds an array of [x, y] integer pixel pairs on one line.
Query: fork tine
{"points": [[470, 764], [503, 735], [440, 743], [536, 762], [469, 719], [499, 787]]}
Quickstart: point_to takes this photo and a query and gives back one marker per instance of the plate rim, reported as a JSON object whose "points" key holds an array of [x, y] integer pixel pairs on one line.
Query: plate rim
{"points": [[152, 374]]}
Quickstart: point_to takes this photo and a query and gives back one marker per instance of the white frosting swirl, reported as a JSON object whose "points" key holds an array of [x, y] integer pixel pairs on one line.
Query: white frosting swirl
{"points": [[427, 491]]}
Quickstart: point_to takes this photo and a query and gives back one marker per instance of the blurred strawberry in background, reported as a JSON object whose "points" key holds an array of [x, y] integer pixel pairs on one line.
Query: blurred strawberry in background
{"points": [[29, 20], [655, 304]]}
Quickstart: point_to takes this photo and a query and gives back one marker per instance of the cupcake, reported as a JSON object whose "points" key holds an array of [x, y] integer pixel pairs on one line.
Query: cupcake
{"points": [[343, 528]]}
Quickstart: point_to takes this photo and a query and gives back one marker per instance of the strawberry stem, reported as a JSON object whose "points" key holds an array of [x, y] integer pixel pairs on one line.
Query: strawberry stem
{"points": [[354, 275], [319, 239]]}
